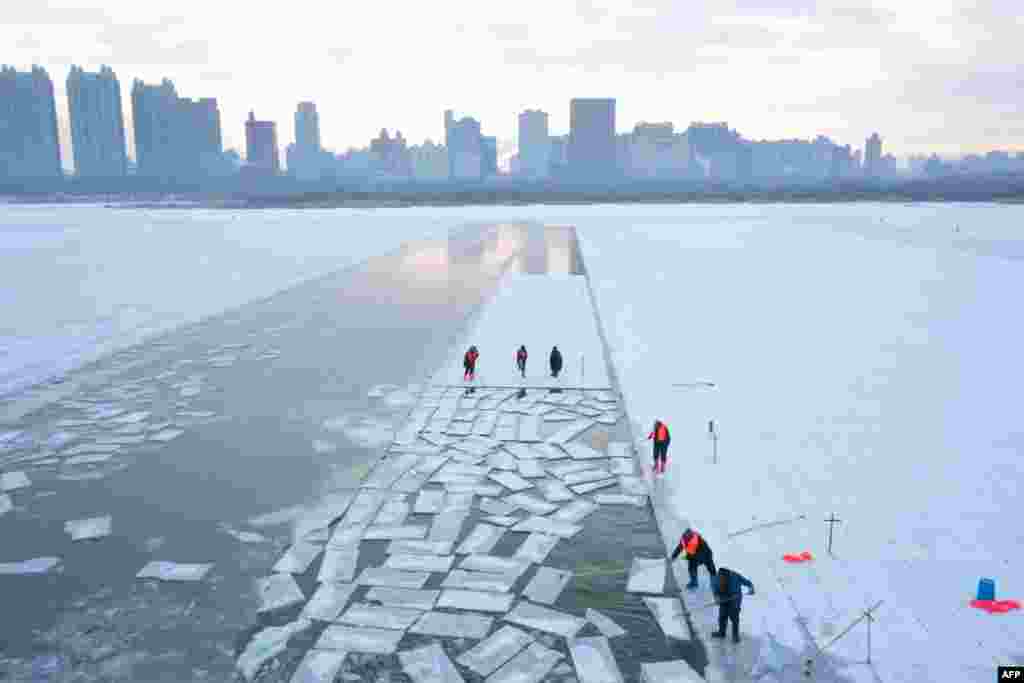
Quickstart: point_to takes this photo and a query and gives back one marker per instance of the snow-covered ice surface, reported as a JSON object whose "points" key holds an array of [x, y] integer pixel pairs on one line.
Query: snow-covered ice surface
{"points": [[429, 664]]}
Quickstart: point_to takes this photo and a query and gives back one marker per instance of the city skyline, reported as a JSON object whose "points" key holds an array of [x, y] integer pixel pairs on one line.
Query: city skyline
{"points": [[937, 78]]}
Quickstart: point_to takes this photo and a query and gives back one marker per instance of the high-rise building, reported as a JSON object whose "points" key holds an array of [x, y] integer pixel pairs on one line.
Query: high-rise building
{"points": [[391, 155], [429, 162], [307, 161], [488, 155], [29, 144], [592, 138], [307, 127], [534, 144], [199, 133], [97, 123], [655, 150], [872, 155], [175, 137], [465, 148], [261, 152]]}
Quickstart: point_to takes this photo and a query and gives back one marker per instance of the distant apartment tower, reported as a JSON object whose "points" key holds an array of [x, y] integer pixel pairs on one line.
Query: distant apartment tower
{"points": [[261, 146], [306, 159], [29, 144], [307, 127], [872, 156], [534, 144], [174, 137], [466, 149], [97, 123], [488, 155], [592, 138]]}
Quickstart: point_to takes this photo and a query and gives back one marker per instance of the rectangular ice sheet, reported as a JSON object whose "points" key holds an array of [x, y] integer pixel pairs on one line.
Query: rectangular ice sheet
{"points": [[445, 625], [174, 571], [555, 491], [418, 547], [328, 601], [511, 481], [489, 655], [536, 547], [646, 575], [319, 666], [482, 539], [622, 466], [586, 476], [478, 581], [530, 503], [403, 597], [547, 584], [380, 616], [669, 613], [448, 525], [494, 564], [579, 451], [278, 591], [672, 671], [575, 512], [570, 431], [583, 489], [394, 578], [529, 428], [339, 565], [483, 601], [500, 520], [376, 533], [422, 563], [543, 525], [530, 469], [594, 661], [545, 619], [529, 666], [429, 664], [605, 625], [429, 502], [496, 507], [620, 499], [380, 641]]}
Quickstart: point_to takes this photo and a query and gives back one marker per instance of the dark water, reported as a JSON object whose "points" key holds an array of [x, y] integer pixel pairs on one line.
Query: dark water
{"points": [[310, 356]]}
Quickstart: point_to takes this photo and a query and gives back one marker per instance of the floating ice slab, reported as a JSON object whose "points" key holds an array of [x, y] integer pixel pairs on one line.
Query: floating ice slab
{"points": [[545, 619], [328, 601], [531, 469], [536, 547], [547, 584], [12, 481], [542, 525], [298, 558], [411, 598], [478, 581], [319, 666], [481, 601], [586, 476], [392, 514], [608, 419], [604, 624], [475, 489], [511, 481], [490, 654], [346, 536], [165, 435], [503, 461], [278, 591], [389, 469], [669, 613], [394, 578], [94, 527], [622, 466], [419, 547], [529, 428], [522, 451], [496, 507], [560, 416], [510, 567], [448, 525], [620, 449], [91, 448], [90, 459], [646, 575], [429, 502], [570, 431], [378, 641], [429, 664], [379, 616], [531, 504], [131, 418], [37, 565], [377, 533], [587, 412], [673, 671], [633, 485], [580, 451], [5, 503], [620, 499], [463, 470], [529, 666], [420, 563], [485, 424], [555, 491], [462, 625], [457, 428], [583, 489], [575, 512], [594, 661], [339, 565], [173, 571], [499, 520], [482, 539], [549, 451], [564, 469], [267, 644]]}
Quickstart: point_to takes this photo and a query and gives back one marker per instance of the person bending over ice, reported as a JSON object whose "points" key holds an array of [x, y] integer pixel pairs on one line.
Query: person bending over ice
{"points": [[698, 553]]}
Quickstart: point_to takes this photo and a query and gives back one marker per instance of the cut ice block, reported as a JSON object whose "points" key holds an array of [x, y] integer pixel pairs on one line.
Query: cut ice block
{"points": [[620, 499], [585, 476], [131, 418], [530, 469], [429, 664], [456, 500], [549, 451], [455, 479], [448, 525], [37, 565], [496, 507], [542, 525], [511, 567], [165, 435], [633, 485], [547, 584], [453, 598], [511, 481], [319, 666], [529, 666], [91, 448], [94, 527], [346, 536], [464, 470], [531, 504], [503, 461], [429, 502], [423, 563], [478, 581], [529, 428], [622, 466], [278, 591], [298, 558], [482, 539], [488, 655], [88, 459], [459, 428], [379, 616], [339, 565], [445, 625], [545, 619], [328, 601], [392, 514], [536, 547], [417, 547], [500, 520], [5, 503], [622, 450], [594, 661], [587, 412], [579, 451], [555, 491], [394, 578], [485, 424], [12, 481], [389, 469], [173, 571], [403, 597], [522, 451], [564, 469], [475, 489], [379, 641], [669, 614], [583, 489], [570, 431], [575, 512], [604, 624], [604, 396], [378, 533], [646, 575], [560, 416], [267, 644]]}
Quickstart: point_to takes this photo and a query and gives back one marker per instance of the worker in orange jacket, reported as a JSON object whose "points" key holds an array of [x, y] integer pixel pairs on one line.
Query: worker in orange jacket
{"points": [[698, 553], [661, 441]]}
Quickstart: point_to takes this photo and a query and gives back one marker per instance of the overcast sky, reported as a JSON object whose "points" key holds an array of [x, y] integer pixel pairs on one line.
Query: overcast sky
{"points": [[928, 75]]}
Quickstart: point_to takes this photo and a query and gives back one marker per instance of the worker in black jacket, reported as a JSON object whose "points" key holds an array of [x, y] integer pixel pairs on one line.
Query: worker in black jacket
{"points": [[729, 594], [556, 361], [698, 553]]}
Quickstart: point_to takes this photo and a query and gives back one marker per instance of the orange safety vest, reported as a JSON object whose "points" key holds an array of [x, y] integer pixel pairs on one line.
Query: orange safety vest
{"points": [[661, 434], [690, 546]]}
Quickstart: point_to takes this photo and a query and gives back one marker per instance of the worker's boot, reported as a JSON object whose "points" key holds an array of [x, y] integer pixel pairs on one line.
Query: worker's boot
{"points": [[692, 585], [718, 634], [735, 632]]}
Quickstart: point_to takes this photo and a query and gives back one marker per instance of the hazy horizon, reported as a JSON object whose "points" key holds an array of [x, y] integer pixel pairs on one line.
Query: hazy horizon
{"points": [[929, 77]]}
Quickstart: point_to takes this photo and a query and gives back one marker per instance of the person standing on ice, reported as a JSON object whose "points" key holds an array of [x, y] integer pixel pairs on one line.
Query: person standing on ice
{"points": [[556, 361], [661, 441], [698, 553], [521, 356], [729, 593], [469, 363]]}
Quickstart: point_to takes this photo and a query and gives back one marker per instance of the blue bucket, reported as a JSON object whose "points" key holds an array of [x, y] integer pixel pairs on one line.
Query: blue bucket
{"points": [[986, 589]]}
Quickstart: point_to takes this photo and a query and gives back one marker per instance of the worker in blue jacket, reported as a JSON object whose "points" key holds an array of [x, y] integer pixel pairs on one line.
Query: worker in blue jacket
{"points": [[729, 593]]}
